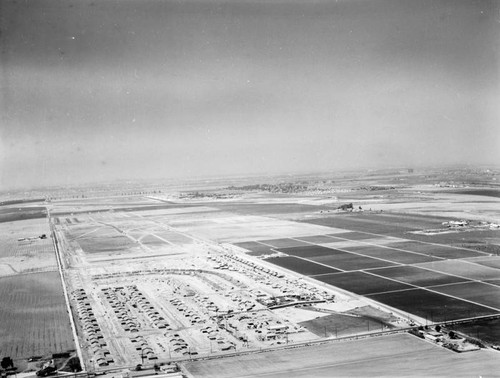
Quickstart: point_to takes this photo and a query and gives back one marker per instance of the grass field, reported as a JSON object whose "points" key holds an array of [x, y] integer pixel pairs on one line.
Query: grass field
{"points": [[33, 316]]}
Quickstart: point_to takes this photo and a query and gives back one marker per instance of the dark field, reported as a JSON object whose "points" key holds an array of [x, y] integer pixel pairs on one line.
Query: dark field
{"points": [[335, 258], [117, 208], [417, 276], [11, 214], [432, 306], [482, 293], [308, 251], [33, 316], [349, 261], [393, 255], [361, 283], [16, 202], [341, 325], [304, 267], [487, 330], [256, 249], [478, 192], [493, 282], [284, 243]]}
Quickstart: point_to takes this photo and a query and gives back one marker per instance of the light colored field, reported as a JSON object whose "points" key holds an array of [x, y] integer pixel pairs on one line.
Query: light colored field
{"points": [[448, 204], [400, 355], [250, 227], [31, 254], [463, 269]]}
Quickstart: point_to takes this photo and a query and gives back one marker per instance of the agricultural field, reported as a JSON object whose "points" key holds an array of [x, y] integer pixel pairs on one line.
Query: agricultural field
{"points": [[361, 283], [432, 306], [305, 267], [34, 319]]}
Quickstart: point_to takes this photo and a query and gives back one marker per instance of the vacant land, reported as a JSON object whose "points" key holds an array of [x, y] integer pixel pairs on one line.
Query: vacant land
{"points": [[34, 320]]}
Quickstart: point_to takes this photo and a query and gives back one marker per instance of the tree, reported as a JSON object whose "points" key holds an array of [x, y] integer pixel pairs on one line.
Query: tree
{"points": [[7, 363], [74, 364], [437, 328]]}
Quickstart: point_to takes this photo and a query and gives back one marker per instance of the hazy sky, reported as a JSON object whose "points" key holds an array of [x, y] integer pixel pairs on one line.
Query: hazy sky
{"points": [[103, 89]]}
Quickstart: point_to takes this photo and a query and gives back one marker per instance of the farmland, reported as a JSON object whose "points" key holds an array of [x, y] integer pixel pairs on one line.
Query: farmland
{"points": [[34, 317], [33, 314], [171, 277]]}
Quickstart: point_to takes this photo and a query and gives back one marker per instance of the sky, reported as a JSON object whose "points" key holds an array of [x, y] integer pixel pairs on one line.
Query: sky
{"points": [[97, 90]]}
